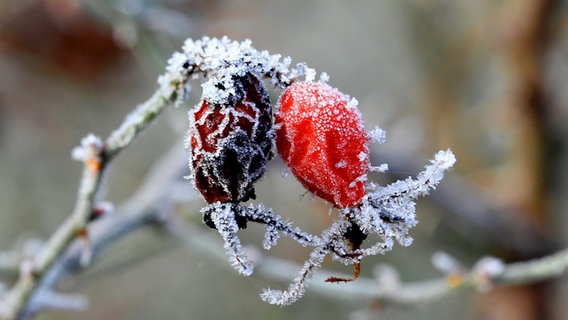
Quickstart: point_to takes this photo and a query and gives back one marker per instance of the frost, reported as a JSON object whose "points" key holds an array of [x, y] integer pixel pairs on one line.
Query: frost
{"points": [[383, 167], [377, 135], [89, 149], [310, 74], [225, 222], [341, 164], [220, 61], [352, 104], [284, 173], [228, 218]]}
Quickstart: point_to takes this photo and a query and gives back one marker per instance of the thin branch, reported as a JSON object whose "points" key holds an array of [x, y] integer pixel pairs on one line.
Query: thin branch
{"points": [[505, 226], [143, 208], [404, 294], [96, 160], [551, 266], [411, 294]]}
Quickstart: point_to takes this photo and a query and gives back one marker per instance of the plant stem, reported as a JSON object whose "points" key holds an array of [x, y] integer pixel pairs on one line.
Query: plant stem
{"points": [[19, 296]]}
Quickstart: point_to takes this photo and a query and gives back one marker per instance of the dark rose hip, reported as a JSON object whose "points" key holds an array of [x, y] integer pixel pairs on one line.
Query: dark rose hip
{"points": [[231, 143]]}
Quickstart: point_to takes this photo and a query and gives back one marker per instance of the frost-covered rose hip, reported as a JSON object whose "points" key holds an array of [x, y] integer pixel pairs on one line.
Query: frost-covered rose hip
{"points": [[231, 143], [320, 136]]}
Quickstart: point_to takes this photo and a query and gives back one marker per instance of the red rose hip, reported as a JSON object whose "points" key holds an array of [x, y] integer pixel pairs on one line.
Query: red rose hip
{"points": [[231, 143], [320, 136]]}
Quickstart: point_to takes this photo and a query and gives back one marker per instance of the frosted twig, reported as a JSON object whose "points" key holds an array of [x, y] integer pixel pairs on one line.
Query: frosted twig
{"points": [[405, 294], [506, 227], [388, 212], [96, 155], [426, 291], [298, 286], [276, 224], [140, 210], [225, 222]]}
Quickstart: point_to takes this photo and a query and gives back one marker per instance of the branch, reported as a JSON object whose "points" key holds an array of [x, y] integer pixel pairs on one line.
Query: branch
{"points": [[386, 287], [96, 157], [410, 294], [143, 208]]}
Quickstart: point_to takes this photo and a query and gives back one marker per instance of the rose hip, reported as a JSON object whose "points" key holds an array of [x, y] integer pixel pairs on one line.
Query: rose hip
{"points": [[231, 143], [320, 136]]}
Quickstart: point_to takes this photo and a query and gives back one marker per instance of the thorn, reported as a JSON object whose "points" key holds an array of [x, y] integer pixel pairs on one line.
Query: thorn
{"points": [[356, 273]]}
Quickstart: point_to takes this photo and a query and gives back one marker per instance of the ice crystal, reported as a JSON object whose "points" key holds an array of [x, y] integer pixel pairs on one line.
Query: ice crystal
{"points": [[89, 149], [377, 135]]}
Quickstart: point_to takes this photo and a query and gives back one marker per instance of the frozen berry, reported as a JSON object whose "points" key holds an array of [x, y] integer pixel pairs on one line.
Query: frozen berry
{"points": [[231, 143], [320, 136]]}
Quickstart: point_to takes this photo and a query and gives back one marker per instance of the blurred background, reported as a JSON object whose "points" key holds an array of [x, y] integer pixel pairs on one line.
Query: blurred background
{"points": [[485, 78]]}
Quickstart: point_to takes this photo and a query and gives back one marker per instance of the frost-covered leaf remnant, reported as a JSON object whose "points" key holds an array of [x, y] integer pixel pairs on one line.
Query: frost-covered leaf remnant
{"points": [[320, 135]]}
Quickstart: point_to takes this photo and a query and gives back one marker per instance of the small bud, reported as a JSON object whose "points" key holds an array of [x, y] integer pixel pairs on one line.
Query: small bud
{"points": [[485, 270], [446, 263], [100, 210], [89, 150]]}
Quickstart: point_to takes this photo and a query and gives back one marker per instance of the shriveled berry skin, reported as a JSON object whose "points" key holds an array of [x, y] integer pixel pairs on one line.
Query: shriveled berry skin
{"points": [[320, 136], [231, 143]]}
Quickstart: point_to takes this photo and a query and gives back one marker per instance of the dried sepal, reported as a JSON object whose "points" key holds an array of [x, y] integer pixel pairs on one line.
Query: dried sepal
{"points": [[222, 218]]}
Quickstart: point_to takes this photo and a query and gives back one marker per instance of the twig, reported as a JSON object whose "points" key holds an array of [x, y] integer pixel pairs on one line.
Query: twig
{"points": [[97, 157], [404, 294], [507, 227], [141, 209], [421, 292]]}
